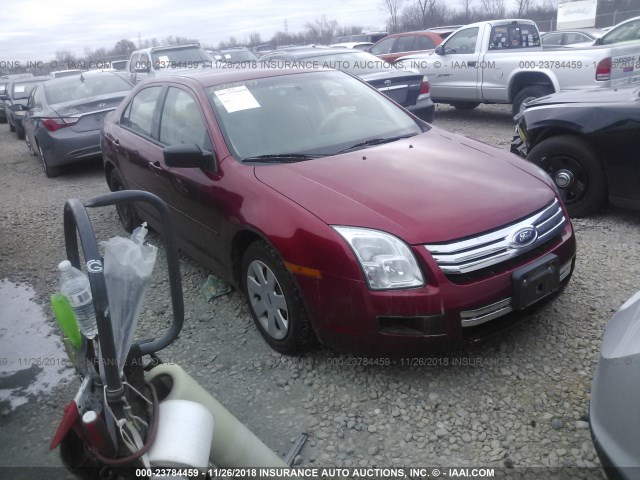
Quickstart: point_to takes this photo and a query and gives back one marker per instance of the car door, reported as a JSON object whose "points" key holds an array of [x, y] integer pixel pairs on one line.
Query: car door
{"points": [[193, 194], [457, 77], [136, 145]]}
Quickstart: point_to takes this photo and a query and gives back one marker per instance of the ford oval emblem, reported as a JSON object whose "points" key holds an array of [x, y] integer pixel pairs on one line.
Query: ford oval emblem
{"points": [[524, 237], [387, 82]]}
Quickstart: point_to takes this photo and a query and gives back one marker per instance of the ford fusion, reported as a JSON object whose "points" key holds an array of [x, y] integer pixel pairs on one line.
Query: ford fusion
{"points": [[342, 217]]}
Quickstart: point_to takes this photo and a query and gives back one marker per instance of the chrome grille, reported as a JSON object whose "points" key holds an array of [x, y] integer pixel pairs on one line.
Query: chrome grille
{"points": [[476, 253]]}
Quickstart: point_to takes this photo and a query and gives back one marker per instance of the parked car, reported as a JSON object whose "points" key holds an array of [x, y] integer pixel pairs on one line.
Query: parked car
{"points": [[369, 37], [15, 101], [408, 88], [337, 213], [64, 117], [364, 46], [263, 49], [65, 73], [570, 37], [588, 143], [3, 112], [502, 61], [119, 65], [397, 45], [614, 416], [235, 55], [150, 62]]}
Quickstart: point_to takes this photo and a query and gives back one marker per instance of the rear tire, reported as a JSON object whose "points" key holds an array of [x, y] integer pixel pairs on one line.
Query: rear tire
{"points": [[20, 133], [527, 94], [274, 301], [126, 211], [577, 171], [465, 105], [49, 171]]}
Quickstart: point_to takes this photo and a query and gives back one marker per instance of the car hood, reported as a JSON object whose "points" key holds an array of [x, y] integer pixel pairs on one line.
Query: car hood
{"points": [[433, 187], [601, 95]]}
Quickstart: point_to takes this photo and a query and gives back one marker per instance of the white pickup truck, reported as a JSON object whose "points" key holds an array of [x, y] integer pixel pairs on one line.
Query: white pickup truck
{"points": [[502, 61]]}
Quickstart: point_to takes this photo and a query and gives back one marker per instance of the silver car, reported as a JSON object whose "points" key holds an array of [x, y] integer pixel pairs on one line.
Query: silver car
{"points": [[615, 395], [64, 117]]}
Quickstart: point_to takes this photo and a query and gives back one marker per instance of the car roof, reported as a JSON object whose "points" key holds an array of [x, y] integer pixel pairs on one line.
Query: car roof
{"points": [[223, 76], [30, 79], [425, 33], [588, 31], [166, 47], [311, 52]]}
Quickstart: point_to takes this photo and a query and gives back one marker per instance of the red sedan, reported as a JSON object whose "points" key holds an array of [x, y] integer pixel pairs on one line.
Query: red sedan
{"points": [[340, 215]]}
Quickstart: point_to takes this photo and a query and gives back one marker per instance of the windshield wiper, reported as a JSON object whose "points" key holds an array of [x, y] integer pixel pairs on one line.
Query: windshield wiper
{"points": [[281, 158], [374, 141]]}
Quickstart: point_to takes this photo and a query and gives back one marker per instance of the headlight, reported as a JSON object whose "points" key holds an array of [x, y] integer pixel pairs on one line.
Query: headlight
{"points": [[387, 262], [521, 133]]}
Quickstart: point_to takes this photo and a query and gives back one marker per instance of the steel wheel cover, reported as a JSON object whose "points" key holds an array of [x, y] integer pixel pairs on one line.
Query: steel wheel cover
{"points": [[267, 300]]}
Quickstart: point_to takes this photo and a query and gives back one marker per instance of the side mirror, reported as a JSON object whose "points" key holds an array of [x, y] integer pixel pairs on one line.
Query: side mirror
{"points": [[439, 50], [187, 155]]}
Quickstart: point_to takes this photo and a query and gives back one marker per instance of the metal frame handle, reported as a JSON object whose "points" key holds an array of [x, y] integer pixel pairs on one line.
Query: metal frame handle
{"points": [[76, 221]]}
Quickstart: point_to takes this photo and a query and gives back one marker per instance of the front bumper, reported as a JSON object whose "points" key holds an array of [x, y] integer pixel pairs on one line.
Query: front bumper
{"points": [[438, 317]]}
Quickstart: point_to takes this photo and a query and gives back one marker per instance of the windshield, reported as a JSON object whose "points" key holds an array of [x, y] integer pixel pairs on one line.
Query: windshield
{"points": [[315, 113], [624, 33], [352, 61], [178, 57], [73, 88], [22, 90]]}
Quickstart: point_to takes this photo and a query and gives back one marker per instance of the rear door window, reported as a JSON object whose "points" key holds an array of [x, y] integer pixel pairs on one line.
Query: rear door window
{"points": [[423, 43], [405, 44], [383, 47]]}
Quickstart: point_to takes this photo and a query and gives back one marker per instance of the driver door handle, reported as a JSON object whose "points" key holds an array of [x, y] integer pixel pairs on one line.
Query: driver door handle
{"points": [[472, 64], [155, 166]]}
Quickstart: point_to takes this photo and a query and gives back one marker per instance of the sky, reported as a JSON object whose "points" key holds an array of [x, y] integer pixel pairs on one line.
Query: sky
{"points": [[33, 30]]}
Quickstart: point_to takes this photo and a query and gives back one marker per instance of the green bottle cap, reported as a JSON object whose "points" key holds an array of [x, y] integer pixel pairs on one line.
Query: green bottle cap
{"points": [[66, 319]]}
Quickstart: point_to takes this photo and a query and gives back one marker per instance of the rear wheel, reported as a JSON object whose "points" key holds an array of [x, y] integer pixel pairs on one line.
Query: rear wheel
{"points": [[126, 211], [274, 301], [528, 94], [20, 133], [577, 171], [49, 171], [465, 105]]}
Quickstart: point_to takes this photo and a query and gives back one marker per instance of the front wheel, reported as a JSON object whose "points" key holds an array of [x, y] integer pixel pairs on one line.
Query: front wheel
{"points": [[274, 301], [528, 94], [577, 171]]}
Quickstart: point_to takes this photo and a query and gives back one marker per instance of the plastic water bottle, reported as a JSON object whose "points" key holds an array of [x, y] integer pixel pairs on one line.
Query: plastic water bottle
{"points": [[75, 286]]}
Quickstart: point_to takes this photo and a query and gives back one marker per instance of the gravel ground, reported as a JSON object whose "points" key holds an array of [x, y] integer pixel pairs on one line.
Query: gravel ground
{"points": [[518, 400]]}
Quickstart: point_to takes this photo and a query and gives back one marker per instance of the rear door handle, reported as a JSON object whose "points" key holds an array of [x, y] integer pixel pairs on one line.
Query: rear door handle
{"points": [[155, 166], [472, 64]]}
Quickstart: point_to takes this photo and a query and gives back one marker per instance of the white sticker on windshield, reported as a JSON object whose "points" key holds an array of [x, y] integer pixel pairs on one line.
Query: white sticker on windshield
{"points": [[163, 58], [236, 99], [19, 89]]}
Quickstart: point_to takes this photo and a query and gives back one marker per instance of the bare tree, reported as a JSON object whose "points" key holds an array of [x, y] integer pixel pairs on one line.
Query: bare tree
{"points": [[494, 8], [427, 8], [393, 7], [523, 8], [467, 11], [321, 30]]}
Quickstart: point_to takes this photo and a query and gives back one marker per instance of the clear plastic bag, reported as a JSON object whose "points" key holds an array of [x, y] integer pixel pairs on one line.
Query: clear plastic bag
{"points": [[128, 264]]}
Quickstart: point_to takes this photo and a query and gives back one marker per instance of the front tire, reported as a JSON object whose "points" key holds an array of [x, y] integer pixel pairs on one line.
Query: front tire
{"points": [[526, 95], [577, 171], [126, 211], [274, 301]]}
